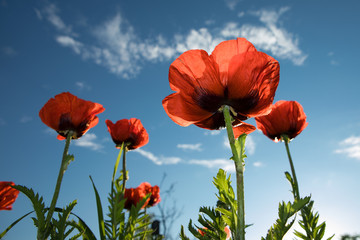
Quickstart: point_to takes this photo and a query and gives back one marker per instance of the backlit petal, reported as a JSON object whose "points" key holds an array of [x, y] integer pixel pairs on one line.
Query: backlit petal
{"points": [[194, 69], [225, 51], [253, 80], [182, 110]]}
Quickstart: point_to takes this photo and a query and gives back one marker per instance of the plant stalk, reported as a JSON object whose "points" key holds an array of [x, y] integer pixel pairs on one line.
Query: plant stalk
{"points": [[238, 159], [124, 168], [296, 190], [64, 163]]}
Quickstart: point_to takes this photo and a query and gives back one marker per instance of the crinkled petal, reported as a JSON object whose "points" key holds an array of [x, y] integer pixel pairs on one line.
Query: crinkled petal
{"points": [[194, 69], [183, 111], [243, 128], [225, 51], [253, 80]]}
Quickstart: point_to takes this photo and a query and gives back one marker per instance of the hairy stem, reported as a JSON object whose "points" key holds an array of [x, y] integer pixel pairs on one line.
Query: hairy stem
{"points": [[124, 168], [296, 190], [238, 159], [64, 163]]}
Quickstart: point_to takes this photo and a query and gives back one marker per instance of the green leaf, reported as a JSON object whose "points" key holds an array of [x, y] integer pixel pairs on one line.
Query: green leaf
{"points": [[100, 212], [117, 162], [39, 208], [182, 234], [13, 224], [61, 224]]}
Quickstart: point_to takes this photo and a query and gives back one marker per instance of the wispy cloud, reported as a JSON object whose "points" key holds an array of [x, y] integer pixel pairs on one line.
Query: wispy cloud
{"points": [[117, 46], [158, 160], [82, 86], [350, 147], [212, 133], [67, 41], [192, 147], [333, 62], [226, 164], [9, 51], [2, 122], [51, 13], [269, 36], [231, 4], [258, 164], [88, 141], [26, 119]]}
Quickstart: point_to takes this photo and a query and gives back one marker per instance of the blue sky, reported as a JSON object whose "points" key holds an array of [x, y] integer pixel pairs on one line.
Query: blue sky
{"points": [[118, 53]]}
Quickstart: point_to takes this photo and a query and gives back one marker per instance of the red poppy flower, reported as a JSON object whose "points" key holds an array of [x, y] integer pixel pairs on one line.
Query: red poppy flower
{"points": [[131, 132], [226, 229], [243, 128], [235, 74], [67, 112], [134, 195], [286, 118], [8, 195]]}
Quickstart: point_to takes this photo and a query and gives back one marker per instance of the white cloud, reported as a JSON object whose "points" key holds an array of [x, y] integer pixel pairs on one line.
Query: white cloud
{"points": [[118, 48], [51, 13], [350, 147], [9, 51], [26, 119], [82, 86], [192, 147], [88, 141], [250, 145], [231, 4], [258, 164], [241, 14], [269, 37], [2, 122], [212, 133], [158, 160], [226, 164], [38, 14], [67, 41]]}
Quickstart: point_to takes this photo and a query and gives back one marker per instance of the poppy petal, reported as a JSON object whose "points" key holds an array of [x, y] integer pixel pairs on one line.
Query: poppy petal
{"points": [[253, 78], [183, 111], [225, 51], [286, 117], [243, 128], [194, 69]]}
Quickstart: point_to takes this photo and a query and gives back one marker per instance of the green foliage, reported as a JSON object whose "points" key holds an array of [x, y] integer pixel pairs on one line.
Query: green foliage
{"points": [[59, 226], [309, 223], [349, 237], [119, 226], [13, 224], [214, 220], [227, 204], [39, 208], [285, 219], [182, 234]]}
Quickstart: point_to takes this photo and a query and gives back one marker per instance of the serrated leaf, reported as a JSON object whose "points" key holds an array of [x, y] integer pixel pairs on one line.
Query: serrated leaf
{"points": [[39, 208], [182, 234]]}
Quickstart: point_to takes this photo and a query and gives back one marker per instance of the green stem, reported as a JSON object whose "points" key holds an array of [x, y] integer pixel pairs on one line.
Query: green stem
{"points": [[238, 159], [64, 163], [124, 168], [114, 203], [296, 190]]}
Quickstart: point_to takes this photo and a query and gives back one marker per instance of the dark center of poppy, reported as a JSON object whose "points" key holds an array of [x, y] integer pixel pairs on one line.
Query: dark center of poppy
{"points": [[213, 103], [66, 125]]}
